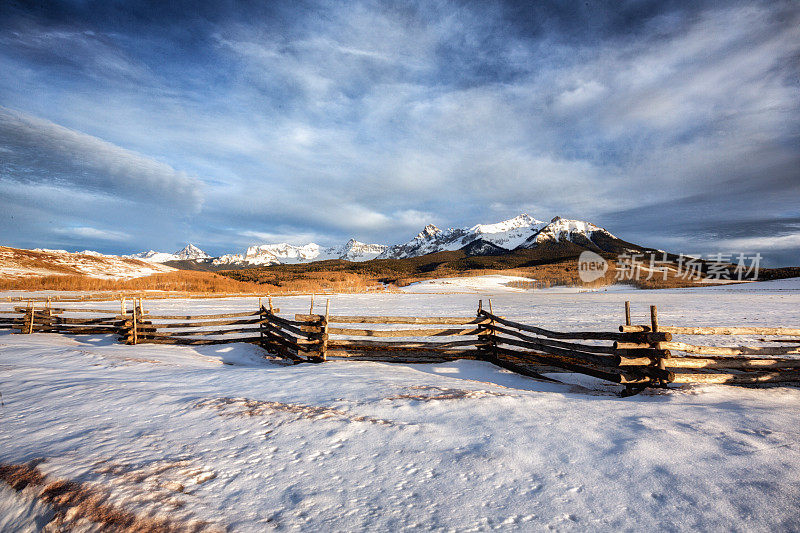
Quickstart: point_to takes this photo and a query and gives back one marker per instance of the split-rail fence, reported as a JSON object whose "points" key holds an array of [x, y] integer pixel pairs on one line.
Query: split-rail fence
{"points": [[636, 356]]}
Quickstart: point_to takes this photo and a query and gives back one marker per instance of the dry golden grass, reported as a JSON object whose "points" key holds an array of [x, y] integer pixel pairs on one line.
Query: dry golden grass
{"points": [[287, 282], [181, 280], [197, 282]]}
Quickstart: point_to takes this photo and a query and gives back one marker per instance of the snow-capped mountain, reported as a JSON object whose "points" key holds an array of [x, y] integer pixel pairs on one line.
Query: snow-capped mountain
{"points": [[508, 235], [354, 250], [152, 256], [522, 231], [190, 252], [272, 254], [562, 229], [284, 253]]}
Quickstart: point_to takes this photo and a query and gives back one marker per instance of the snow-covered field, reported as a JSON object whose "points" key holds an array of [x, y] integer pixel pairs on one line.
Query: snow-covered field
{"points": [[222, 436], [471, 284]]}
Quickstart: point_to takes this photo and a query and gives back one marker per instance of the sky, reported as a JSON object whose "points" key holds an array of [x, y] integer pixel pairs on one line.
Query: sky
{"points": [[129, 126]]}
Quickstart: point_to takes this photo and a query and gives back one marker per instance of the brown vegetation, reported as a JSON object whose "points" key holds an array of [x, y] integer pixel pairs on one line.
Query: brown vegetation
{"points": [[198, 282], [77, 505], [181, 280], [21, 262]]}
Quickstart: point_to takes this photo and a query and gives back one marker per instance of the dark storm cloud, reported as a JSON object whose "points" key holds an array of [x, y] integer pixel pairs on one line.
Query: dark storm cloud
{"points": [[669, 122]]}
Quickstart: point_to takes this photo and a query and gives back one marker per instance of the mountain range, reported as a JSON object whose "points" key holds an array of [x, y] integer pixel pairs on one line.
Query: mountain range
{"points": [[520, 232]]}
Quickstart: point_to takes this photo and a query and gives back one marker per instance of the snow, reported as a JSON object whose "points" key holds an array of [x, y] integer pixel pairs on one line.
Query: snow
{"points": [[476, 284], [520, 231], [520, 221], [23, 263], [153, 256], [190, 251], [562, 228], [511, 233], [22, 511], [284, 253], [788, 284], [507, 234], [219, 434]]}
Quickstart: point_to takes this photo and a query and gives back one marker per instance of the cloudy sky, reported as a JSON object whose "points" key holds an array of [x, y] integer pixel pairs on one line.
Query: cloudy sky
{"points": [[126, 126]]}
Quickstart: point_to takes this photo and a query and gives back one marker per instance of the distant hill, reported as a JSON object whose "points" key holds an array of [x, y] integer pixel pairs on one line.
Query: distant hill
{"points": [[19, 263]]}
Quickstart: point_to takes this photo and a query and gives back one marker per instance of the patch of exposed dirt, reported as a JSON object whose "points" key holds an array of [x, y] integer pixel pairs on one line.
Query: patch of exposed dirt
{"points": [[426, 393], [80, 506], [249, 407]]}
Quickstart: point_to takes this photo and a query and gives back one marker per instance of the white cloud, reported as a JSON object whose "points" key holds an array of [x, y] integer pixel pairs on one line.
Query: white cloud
{"points": [[582, 94], [778, 242], [268, 237], [39, 151], [94, 233]]}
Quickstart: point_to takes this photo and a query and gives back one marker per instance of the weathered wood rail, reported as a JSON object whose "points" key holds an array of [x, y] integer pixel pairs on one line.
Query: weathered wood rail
{"points": [[704, 363], [452, 338], [515, 346], [636, 356]]}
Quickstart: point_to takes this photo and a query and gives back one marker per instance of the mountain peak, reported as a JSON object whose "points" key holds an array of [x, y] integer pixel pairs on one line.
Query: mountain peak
{"points": [[520, 221], [190, 251], [428, 231]]}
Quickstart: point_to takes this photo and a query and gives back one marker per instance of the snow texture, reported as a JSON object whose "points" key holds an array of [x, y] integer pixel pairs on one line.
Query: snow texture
{"points": [[471, 284], [220, 434]]}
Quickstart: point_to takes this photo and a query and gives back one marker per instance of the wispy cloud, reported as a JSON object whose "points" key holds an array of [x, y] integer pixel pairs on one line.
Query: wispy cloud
{"points": [[33, 150], [94, 233]]}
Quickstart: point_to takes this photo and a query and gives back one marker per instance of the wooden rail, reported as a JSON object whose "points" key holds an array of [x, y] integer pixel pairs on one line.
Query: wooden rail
{"points": [[701, 363], [635, 368], [332, 344], [636, 356]]}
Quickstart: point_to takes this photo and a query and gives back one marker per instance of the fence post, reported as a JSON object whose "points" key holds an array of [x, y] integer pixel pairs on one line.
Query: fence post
{"points": [[479, 344], [627, 313], [657, 345], [33, 318], [323, 348], [493, 333], [262, 317], [135, 337], [266, 343], [486, 347]]}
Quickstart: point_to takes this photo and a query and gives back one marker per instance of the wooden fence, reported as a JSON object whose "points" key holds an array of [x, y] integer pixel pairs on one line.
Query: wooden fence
{"points": [[705, 363], [515, 346], [636, 356]]}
